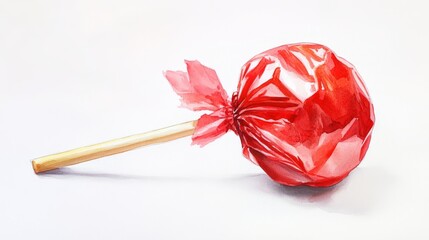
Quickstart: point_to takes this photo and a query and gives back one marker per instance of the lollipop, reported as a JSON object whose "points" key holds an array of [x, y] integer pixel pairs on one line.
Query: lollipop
{"points": [[302, 113]]}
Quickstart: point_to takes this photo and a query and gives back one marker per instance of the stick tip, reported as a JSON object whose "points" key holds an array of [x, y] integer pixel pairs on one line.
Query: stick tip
{"points": [[35, 166]]}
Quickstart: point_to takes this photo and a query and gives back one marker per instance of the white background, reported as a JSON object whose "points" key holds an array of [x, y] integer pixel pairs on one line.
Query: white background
{"points": [[74, 73]]}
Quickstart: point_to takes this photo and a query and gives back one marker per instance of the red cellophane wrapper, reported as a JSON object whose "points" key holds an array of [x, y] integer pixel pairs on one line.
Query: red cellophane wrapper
{"points": [[302, 113]]}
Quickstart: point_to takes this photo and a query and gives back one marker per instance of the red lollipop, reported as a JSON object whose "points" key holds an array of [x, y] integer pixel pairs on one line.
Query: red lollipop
{"points": [[302, 113]]}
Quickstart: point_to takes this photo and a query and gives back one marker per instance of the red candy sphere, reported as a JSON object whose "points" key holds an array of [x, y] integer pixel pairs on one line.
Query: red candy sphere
{"points": [[303, 114]]}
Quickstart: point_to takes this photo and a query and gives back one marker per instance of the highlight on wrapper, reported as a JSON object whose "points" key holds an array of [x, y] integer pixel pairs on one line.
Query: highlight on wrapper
{"points": [[302, 113]]}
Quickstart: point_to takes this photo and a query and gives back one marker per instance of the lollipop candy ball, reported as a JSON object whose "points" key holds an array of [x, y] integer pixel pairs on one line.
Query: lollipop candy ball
{"points": [[303, 114]]}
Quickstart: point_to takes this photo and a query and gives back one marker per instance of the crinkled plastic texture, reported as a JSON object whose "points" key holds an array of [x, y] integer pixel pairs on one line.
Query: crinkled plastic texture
{"points": [[302, 113]]}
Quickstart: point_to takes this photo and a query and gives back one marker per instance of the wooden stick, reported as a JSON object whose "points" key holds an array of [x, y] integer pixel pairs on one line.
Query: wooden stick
{"points": [[111, 147]]}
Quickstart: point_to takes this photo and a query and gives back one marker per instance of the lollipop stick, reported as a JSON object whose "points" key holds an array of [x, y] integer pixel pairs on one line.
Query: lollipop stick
{"points": [[111, 147]]}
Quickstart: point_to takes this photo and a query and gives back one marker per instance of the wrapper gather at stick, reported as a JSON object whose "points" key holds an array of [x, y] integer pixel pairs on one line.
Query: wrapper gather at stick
{"points": [[302, 113]]}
